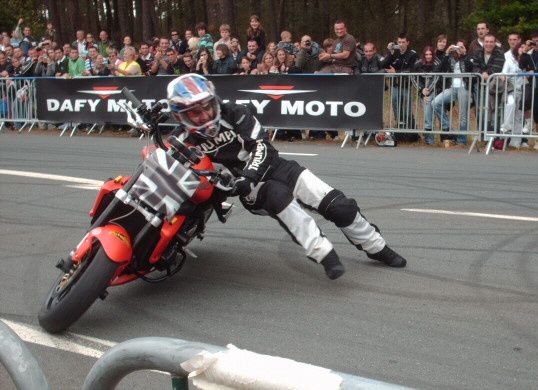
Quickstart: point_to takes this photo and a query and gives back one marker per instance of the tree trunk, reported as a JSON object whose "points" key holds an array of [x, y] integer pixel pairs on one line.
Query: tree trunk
{"points": [[123, 20], [109, 19], [147, 23], [71, 15]]}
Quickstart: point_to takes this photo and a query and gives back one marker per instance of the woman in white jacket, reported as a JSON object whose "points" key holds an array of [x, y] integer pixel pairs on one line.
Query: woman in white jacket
{"points": [[513, 104]]}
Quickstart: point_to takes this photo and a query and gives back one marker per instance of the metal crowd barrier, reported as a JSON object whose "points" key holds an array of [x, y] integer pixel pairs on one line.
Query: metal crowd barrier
{"points": [[18, 103], [511, 102], [19, 362], [446, 113]]}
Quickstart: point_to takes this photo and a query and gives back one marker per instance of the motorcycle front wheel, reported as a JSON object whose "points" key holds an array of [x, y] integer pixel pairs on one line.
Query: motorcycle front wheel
{"points": [[74, 292]]}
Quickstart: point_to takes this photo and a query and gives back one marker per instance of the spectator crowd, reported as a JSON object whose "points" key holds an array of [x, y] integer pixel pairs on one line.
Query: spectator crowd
{"points": [[196, 50]]}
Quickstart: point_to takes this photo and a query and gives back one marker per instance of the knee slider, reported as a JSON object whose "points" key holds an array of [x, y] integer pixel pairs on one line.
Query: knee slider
{"points": [[338, 209]]}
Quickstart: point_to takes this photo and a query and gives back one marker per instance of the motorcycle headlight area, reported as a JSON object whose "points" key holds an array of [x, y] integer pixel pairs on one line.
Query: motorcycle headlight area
{"points": [[165, 184]]}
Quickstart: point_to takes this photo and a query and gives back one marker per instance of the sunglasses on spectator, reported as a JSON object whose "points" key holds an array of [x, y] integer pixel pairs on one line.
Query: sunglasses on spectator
{"points": [[174, 34]]}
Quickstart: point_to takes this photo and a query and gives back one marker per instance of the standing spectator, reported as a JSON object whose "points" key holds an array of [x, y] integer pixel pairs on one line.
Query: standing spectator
{"points": [[253, 53], [344, 58], [89, 63], [529, 63], [27, 41], [286, 42], [371, 62], [225, 37], [204, 65], [175, 41], [255, 31], [427, 87], [50, 32], [15, 68], [328, 47], [62, 63], [307, 56], [488, 60], [4, 42], [145, 59], [90, 42], [224, 64], [235, 51], [456, 61], [104, 45], [482, 29], [401, 60], [174, 63], [129, 67], [271, 48], [66, 49], [440, 45], [127, 43], [206, 40], [265, 66], [184, 45], [189, 63], [513, 113], [80, 43], [3, 64], [245, 66], [100, 67], [160, 64], [76, 64]]}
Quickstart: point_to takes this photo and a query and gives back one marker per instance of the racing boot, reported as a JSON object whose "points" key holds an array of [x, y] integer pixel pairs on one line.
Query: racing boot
{"points": [[389, 257], [331, 263]]}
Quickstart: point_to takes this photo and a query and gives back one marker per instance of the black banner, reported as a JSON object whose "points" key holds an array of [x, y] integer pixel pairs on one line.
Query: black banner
{"points": [[278, 101]]}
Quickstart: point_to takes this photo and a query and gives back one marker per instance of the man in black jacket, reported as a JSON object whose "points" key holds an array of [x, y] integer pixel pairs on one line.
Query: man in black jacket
{"points": [[266, 183], [372, 62], [401, 59], [488, 60]]}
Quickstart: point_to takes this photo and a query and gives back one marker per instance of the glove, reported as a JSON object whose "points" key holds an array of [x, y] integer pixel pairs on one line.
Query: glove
{"points": [[243, 186]]}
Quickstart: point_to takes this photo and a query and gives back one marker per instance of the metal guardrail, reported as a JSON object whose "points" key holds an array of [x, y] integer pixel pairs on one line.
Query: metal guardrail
{"points": [[19, 362], [166, 354], [509, 99], [18, 102]]}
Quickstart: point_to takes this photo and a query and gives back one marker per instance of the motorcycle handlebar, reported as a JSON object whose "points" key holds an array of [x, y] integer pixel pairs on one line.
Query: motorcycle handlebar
{"points": [[132, 98]]}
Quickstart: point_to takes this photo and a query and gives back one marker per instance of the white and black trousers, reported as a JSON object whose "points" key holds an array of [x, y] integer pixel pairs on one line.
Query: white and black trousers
{"points": [[289, 189]]}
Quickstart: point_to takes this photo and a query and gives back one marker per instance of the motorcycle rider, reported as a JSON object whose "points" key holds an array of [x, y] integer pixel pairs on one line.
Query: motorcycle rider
{"points": [[266, 183]]}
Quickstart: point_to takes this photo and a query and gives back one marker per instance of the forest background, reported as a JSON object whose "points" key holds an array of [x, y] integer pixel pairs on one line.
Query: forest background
{"points": [[379, 21]]}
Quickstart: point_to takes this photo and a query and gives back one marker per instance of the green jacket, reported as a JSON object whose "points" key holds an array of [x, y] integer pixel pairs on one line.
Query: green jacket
{"points": [[75, 68]]}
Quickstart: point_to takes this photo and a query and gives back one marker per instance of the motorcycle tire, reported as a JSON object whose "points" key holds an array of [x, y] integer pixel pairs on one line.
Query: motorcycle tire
{"points": [[66, 304]]}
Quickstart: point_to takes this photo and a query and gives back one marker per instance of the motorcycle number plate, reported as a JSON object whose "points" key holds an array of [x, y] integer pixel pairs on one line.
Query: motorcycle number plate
{"points": [[165, 184]]}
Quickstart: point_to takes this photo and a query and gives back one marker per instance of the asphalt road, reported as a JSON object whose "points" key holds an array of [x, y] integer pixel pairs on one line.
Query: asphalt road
{"points": [[463, 314]]}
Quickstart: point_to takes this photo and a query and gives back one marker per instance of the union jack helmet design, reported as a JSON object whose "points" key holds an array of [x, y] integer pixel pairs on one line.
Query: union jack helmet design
{"points": [[193, 92]]}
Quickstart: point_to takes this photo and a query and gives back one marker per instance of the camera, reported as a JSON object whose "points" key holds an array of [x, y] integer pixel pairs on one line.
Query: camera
{"points": [[532, 43], [395, 46], [308, 43], [456, 48]]}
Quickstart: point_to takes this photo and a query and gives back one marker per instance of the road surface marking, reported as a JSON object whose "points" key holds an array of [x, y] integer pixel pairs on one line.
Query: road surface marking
{"points": [[469, 214], [297, 154], [34, 335], [37, 175]]}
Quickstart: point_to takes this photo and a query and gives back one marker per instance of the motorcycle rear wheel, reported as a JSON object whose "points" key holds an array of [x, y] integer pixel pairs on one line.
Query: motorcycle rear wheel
{"points": [[74, 292]]}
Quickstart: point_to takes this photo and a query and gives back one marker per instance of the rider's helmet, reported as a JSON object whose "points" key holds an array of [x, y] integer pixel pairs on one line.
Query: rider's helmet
{"points": [[194, 103]]}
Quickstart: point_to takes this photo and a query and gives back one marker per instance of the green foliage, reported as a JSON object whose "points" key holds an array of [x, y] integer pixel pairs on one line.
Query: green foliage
{"points": [[506, 16]]}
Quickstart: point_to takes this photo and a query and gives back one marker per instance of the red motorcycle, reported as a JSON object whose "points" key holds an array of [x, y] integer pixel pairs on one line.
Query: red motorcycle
{"points": [[140, 224]]}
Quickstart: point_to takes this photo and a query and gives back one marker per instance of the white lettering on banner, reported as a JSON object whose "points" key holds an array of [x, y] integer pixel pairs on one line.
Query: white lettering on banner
{"points": [[116, 105], [53, 104], [360, 109], [93, 104], [288, 109], [260, 105], [334, 107], [66, 106], [310, 109]]}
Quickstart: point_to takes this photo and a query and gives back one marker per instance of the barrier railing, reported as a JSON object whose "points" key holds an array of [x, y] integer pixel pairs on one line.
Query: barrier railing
{"points": [[431, 105], [237, 367], [18, 103], [19, 362], [511, 101]]}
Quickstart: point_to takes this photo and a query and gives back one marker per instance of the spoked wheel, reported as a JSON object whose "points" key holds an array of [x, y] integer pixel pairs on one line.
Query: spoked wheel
{"points": [[75, 291]]}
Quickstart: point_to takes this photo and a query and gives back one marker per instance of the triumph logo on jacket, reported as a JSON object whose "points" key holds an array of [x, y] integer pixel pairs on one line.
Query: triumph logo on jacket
{"points": [[259, 157], [223, 138]]}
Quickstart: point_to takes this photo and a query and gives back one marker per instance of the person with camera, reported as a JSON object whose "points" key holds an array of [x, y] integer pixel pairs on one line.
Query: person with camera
{"points": [[204, 66], [100, 67], [401, 59], [307, 58], [456, 61]]}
